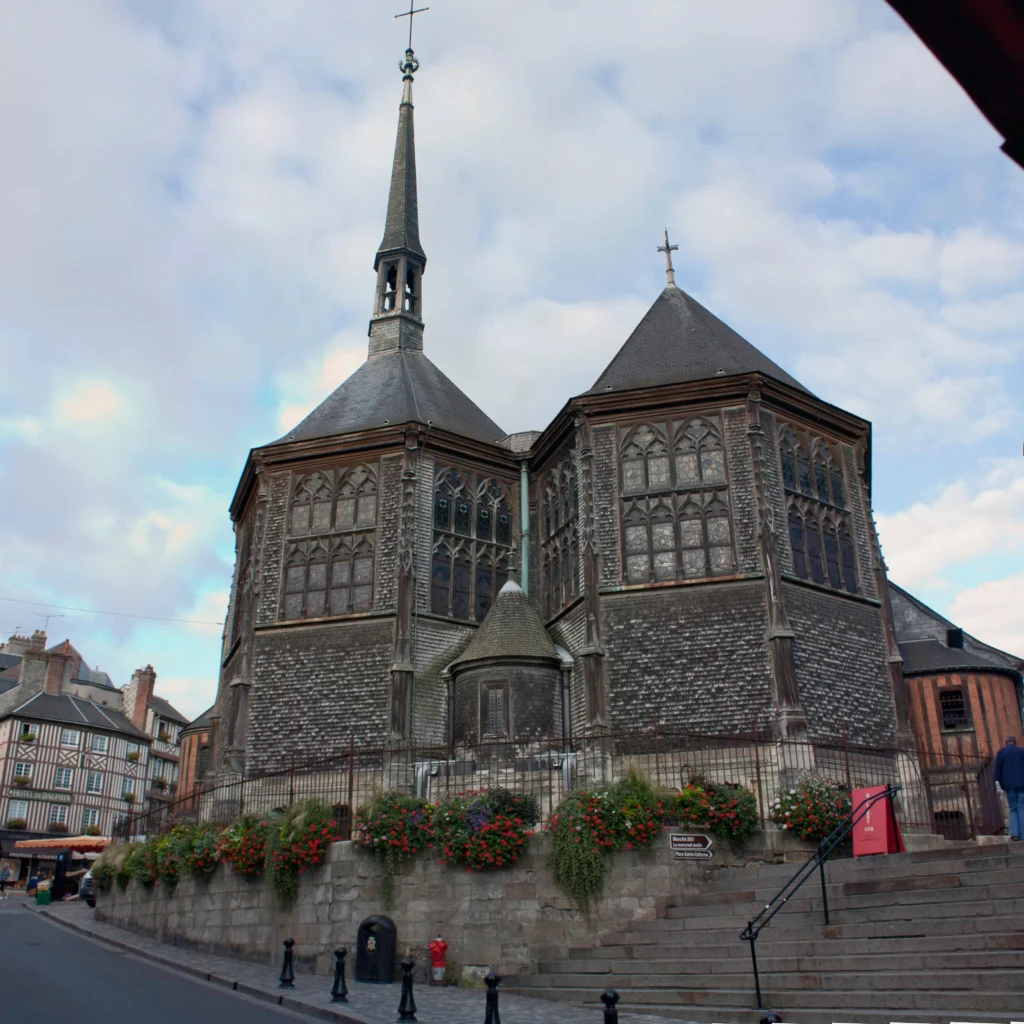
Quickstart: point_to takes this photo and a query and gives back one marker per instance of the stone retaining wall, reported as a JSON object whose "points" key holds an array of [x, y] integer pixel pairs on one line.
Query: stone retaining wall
{"points": [[508, 919]]}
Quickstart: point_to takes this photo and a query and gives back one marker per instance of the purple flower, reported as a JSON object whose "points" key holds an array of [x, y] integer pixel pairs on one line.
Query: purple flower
{"points": [[478, 815]]}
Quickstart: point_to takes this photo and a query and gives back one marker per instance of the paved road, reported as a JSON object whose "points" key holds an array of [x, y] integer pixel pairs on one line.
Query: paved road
{"points": [[49, 975]]}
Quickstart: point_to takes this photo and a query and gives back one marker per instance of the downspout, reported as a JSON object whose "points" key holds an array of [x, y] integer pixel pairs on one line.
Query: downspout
{"points": [[524, 526]]}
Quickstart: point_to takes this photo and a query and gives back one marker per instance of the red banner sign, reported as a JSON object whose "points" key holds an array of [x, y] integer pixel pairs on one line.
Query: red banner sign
{"points": [[877, 831]]}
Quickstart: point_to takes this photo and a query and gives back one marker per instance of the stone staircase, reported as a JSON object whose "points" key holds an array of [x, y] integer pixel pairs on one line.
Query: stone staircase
{"points": [[936, 936]]}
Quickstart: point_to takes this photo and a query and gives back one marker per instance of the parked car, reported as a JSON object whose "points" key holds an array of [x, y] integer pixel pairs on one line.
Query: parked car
{"points": [[87, 890]]}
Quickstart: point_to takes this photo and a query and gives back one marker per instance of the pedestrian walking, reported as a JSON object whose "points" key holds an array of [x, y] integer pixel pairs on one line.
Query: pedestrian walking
{"points": [[1009, 777], [5, 880]]}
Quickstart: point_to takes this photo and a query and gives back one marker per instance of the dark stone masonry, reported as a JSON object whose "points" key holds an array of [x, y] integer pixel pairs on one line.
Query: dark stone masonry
{"points": [[697, 540]]}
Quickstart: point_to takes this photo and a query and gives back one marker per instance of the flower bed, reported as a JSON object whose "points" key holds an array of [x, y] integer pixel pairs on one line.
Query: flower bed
{"points": [[484, 831], [812, 810], [393, 827], [728, 812]]}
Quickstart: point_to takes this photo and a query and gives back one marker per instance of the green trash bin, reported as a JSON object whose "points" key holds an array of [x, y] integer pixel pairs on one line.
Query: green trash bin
{"points": [[42, 898]]}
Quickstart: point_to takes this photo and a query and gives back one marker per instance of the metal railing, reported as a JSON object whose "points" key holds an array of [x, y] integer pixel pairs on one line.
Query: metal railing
{"points": [[826, 848], [937, 788]]}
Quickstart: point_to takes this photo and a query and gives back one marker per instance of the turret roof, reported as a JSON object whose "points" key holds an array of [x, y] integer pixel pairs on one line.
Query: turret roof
{"points": [[511, 629]]}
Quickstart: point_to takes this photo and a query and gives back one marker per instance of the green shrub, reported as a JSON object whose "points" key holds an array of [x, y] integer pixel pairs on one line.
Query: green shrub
{"points": [[812, 810], [102, 876]]}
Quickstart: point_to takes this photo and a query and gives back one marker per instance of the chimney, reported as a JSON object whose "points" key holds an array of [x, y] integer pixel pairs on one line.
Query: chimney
{"points": [[955, 638], [138, 695], [33, 662], [17, 645], [58, 668]]}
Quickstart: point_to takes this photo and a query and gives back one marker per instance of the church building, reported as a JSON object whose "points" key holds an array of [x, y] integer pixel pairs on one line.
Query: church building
{"points": [[689, 543]]}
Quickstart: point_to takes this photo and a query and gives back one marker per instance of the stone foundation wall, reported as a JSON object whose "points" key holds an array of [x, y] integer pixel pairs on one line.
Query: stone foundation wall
{"points": [[508, 919]]}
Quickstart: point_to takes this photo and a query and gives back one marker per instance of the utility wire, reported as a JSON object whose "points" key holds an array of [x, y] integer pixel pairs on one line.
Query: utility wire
{"points": [[119, 615]]}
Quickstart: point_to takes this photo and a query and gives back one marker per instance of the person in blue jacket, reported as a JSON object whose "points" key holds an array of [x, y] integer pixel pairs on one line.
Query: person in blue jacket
{"points": [[1009, 777]]}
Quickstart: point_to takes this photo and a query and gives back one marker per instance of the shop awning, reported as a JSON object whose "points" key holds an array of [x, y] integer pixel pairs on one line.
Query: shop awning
{"points": [[80, 844]]}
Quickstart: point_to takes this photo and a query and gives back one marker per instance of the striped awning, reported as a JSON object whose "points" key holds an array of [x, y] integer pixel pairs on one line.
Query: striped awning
{"points": [[80, 844]]}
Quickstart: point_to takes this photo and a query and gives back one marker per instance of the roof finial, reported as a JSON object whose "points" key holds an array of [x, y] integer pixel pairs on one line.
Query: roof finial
{"points": [[668, 249], [410, 65]]}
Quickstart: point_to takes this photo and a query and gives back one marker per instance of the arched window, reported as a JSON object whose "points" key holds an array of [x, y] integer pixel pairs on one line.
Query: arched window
{"points": [[787, 450], [835, 578], [390, 288], [687, 534], [559, 549], [472, 535], [848, 556], [339, 506], [812, 533], [796, 541], [412, 298], [817, 523]]}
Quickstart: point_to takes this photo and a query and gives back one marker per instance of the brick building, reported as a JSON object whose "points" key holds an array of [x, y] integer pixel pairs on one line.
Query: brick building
{"points": [[694, 534], [76, 753]]}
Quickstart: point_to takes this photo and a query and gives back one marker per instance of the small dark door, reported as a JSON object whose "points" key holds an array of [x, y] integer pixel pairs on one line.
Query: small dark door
{"points": [[375, 950]]}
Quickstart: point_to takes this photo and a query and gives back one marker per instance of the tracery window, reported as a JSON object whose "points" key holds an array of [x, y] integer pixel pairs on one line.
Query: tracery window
{"points": [[560, 545], [329, 558], [472, 538], [820, 535], [676, 520]]}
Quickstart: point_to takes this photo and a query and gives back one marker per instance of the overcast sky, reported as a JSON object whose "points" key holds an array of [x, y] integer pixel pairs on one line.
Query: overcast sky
{"points": [[191, 194]]}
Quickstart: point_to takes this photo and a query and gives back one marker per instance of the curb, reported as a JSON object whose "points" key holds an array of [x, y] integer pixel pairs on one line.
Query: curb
{"points": [[287, 1002]]}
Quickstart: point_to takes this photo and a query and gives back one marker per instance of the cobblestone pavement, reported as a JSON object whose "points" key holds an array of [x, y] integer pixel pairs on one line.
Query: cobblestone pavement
{"points": [[368, 1004]]}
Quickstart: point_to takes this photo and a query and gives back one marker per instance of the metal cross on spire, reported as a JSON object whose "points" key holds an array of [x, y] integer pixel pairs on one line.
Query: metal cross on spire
{"points": [[410, 14], [668, 249]]}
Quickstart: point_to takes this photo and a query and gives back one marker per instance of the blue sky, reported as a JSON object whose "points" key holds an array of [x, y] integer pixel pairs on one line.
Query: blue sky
{"points": [[194, 193]]}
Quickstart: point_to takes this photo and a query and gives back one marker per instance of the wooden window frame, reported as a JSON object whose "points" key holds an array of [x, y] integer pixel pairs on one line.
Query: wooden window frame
{"points": [[486, 689]]}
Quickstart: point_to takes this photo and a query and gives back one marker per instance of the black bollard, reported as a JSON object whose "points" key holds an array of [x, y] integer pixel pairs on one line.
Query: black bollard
{"points": [[771, 1018], [339, 990], [492, 981], [287, 970], [407, 1007], [610, 998]]}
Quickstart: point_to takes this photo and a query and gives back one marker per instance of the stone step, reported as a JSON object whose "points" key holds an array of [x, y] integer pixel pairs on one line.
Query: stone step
{"points": [[986, 916], [991, 981], [840, 962], [850, 1002], [781, 947]]}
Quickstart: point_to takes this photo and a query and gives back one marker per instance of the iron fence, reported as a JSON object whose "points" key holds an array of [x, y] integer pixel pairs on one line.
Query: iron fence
{"points": [[949, 792]]}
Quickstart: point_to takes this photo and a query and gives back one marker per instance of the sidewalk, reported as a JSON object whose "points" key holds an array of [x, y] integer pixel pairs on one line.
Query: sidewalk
{"points": [[368, 1004]]}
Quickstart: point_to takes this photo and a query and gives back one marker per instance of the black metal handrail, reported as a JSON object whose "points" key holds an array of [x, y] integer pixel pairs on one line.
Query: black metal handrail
{"points": [[825, 849]]}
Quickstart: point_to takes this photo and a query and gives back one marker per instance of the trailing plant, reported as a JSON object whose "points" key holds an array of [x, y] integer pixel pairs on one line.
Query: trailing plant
{"points": [[21, 780], [583, 829], [103, 875], [201, 854], [394, 826], [483, 831], [299, 843], [243, 845], [56, 826], [145, 862], [813, 810], [17, 823], [587, 826], [128, 798], [28, 737], [728, 812], [132, 755]]}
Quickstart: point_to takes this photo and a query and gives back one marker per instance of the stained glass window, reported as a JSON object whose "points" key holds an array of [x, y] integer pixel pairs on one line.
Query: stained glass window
{"points": [[796, 540], [813, 536], [832, 556], [821, 479], [849, 559]]}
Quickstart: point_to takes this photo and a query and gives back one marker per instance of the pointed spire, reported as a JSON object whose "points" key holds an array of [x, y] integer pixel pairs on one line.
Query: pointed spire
{"points": [[400, 261]]}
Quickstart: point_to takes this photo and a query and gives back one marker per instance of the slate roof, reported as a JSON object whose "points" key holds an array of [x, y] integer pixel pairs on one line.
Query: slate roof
{"points": [[9, 661], [7, 684], [511, 629], [677, 341], [930, 657], [68, 710], [202, 722], [396, 387], [401, 227], [166, 710]]}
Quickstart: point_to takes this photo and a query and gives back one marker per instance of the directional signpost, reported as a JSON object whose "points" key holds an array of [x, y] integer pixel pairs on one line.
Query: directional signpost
{"points": [[687, 846]]}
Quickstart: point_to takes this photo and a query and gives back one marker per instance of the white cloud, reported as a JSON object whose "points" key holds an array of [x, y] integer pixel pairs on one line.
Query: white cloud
{"points": [[968, 520], [88, 403], [994, 610]]}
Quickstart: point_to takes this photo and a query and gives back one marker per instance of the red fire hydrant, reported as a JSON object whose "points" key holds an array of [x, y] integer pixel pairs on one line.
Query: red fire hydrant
{"points": [[437, 948]]}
